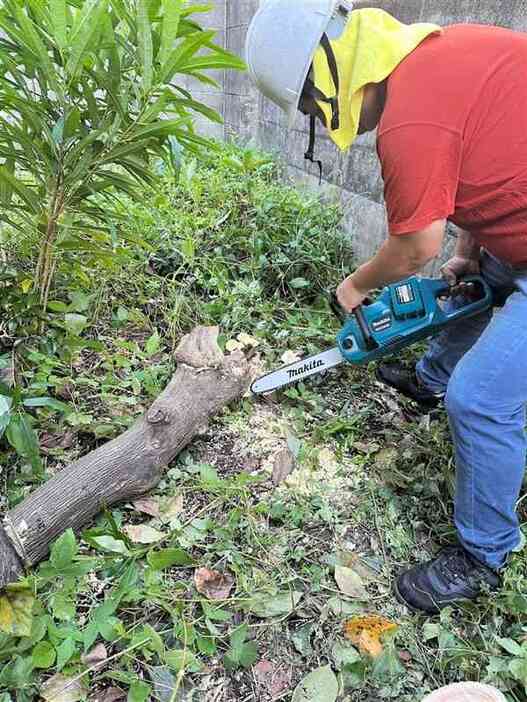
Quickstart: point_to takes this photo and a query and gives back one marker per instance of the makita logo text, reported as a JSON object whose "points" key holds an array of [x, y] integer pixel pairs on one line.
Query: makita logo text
{"points": [[295, 372]]}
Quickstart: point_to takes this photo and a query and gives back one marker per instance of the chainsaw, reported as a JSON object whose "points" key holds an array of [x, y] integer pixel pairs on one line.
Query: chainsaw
{"points": [[404, 313]]}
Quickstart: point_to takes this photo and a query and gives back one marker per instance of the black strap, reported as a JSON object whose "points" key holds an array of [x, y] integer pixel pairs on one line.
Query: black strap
{"points": [[333, 69], [314, 92], [310, 153]]}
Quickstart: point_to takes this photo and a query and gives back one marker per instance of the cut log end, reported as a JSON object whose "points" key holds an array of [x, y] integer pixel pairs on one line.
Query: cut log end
{"points": [[11, 566], [200, 349]]}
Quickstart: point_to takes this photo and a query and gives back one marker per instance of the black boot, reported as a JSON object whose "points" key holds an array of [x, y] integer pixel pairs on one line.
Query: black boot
{"points": [[407, 383], [453, 576]]}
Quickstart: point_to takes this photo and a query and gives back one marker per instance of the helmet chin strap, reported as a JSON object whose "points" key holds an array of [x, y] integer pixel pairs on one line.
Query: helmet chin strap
{"points": [[312, 91]]}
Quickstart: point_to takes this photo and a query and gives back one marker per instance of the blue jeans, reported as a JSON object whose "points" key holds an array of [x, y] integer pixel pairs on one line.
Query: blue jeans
{"points": [[481, 364]]}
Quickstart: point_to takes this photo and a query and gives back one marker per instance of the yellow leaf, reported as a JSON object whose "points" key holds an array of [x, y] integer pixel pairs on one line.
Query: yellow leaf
{"points": [[16, 606], [367, 632], [26, 285]]}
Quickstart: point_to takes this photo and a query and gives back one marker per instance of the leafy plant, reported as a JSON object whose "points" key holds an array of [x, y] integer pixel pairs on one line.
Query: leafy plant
{"points": [[17, 424], [89, 97], [242, 653]]}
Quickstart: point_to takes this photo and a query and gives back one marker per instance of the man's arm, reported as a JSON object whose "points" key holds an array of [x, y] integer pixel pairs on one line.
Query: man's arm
{"points": [[399, 257]]}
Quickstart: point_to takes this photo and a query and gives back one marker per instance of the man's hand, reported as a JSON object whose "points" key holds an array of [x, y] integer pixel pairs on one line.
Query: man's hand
{"points": [[349, 296], [459, 267]]}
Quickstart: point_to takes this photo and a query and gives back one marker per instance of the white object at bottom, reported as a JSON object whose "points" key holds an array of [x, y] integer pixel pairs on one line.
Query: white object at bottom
{"points": [[466, 692]]}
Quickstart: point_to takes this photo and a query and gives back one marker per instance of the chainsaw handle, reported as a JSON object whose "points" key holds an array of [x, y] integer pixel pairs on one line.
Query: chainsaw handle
{"points": [[358, 312], [364, 327]]}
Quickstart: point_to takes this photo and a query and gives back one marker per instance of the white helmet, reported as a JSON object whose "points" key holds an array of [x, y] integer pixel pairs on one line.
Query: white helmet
{"points": [[281, 42]]}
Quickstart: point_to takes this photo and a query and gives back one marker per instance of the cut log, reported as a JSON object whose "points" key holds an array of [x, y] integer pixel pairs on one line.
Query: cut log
{"points": [[132, 464]]}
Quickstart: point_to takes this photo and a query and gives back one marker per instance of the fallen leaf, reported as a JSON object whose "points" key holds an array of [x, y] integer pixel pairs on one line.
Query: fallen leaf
{"points": [[112, 694], [143, 534], [172, 507], [290, 357], [61, 689], [320, 685], [147, 505], [16, 607], [350, 582], [212, 584], [366, 633], [279, 605], [97, 655], [364, 570], [283, 465], [63, 440], [359, 565], [274, 679]]}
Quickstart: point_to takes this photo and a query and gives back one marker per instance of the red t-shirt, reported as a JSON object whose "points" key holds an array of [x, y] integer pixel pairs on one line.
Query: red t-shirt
{"points": [[453, 138]]}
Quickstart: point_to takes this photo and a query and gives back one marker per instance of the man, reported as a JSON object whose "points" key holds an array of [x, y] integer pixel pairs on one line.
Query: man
{"points": [[450, 106]]}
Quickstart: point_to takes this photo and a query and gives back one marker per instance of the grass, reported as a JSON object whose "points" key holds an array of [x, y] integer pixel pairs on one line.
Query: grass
{"points": [[229, 244]]}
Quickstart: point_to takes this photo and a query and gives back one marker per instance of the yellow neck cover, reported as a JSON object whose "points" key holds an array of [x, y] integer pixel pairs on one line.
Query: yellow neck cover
{"points": [[371, 47]]}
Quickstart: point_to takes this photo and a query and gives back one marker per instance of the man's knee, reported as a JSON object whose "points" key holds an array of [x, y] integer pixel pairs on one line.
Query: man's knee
{"points": [[459, 401]]}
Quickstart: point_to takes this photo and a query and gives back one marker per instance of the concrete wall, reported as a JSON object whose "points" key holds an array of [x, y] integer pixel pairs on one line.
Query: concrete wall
{"points": [[355, 178]]}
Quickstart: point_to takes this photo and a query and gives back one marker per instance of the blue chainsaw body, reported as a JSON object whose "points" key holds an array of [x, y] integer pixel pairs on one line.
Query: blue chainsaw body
{"points": [[406, 312]]}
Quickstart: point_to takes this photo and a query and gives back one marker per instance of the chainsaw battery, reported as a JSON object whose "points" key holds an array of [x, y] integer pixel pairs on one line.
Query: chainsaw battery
{"points": [[407, 301]]}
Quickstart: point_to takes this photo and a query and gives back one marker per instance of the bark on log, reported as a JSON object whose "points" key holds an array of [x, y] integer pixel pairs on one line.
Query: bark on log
{"points": [[130, 465]]}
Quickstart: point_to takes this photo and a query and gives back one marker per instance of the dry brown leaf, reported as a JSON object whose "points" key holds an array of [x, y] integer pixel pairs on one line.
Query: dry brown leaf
{"points": [[143, 534], [274, 679], [62, 439], [367, 632], [212, 584], [97, 655], [283, 465], [147, 505], [111, 694], [172, 507]]}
